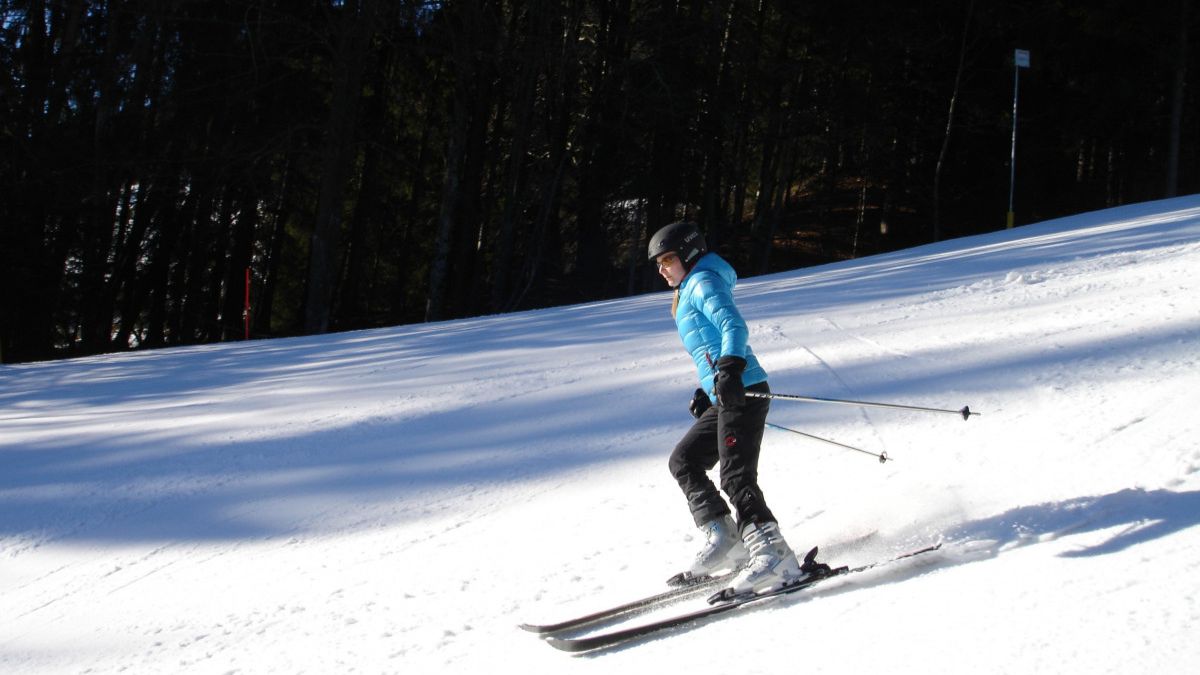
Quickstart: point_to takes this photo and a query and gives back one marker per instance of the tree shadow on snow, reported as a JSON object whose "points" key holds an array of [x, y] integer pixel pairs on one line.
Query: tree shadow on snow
{"points": [[1143, 516]]}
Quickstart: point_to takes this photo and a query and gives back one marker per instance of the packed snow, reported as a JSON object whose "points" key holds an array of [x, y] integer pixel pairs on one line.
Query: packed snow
{"points": [[399, 500]]}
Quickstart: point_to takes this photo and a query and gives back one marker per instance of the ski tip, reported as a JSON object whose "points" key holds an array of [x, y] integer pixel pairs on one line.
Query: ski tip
{"points": [[916, 552], [532, 628], [567, 645]]}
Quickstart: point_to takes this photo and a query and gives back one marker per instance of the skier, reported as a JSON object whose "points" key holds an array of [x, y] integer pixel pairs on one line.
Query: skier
{"points": [[729, 425]]}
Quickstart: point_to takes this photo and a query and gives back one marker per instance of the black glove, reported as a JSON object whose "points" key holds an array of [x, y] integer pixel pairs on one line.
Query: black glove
{"points": [[729, 388], [700, 403]]}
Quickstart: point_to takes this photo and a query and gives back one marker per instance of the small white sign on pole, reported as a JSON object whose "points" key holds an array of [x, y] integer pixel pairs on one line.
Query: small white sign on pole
{"points": [[1020, 60]]}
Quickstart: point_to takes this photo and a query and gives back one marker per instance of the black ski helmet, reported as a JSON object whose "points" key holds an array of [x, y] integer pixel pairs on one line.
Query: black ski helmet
{"points": [[683, 238]]}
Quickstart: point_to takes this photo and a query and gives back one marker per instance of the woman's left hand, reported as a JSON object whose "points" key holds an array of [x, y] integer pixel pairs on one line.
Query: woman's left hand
{"points": [[729, 388]]}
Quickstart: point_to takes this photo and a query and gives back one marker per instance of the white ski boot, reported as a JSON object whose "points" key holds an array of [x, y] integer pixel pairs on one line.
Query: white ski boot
{"points": [[772, 562], [722, 550]]}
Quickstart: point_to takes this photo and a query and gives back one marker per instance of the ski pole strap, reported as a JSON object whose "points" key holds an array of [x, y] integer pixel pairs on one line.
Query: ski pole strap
{"points": [[965, 411]]}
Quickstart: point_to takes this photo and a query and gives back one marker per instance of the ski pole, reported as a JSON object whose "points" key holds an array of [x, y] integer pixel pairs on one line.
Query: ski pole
{"points": [[965, 411], [883, 457]]}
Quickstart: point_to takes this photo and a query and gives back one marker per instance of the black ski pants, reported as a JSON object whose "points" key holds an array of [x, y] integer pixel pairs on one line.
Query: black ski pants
{"points": [[732, 438]]}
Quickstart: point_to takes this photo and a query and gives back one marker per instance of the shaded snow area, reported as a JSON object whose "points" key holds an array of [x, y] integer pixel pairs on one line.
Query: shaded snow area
{"points": [[399, 500]]}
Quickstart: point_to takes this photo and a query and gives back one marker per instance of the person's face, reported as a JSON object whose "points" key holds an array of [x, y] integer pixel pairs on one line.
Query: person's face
{"points": [[671, 268]]}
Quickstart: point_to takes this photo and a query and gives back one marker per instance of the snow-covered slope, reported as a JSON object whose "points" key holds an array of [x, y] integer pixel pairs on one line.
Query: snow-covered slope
{"points": [[399, 500]]}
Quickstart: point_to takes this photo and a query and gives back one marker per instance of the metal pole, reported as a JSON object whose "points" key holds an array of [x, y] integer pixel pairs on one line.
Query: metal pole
{"points": [[246, 307], [1012, 159], [883, 456], [965, 411], [1020, 60]]}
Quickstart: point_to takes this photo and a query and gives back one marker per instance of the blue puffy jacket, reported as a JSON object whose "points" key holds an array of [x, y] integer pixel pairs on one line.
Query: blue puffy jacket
{"points": [[710, 324]]}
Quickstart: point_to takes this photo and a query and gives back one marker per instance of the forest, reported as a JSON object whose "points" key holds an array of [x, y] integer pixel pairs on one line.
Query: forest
{"points": [[343, 164]]}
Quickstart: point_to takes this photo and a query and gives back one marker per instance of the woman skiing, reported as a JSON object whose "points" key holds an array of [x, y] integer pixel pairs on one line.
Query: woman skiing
{"points": [[729, 425]]}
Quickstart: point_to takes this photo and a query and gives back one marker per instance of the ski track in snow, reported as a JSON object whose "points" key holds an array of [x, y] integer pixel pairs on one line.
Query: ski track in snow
{"points": [[399, 500]]}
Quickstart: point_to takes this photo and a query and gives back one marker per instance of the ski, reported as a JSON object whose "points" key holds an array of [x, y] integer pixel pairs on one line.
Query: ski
{"points": [[692, 587], [610, 639]]}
